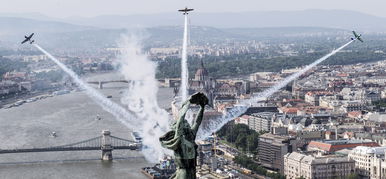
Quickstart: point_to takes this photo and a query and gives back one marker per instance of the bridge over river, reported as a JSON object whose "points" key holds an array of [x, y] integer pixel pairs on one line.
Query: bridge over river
{"points": [[167, 82], [105, 143]]}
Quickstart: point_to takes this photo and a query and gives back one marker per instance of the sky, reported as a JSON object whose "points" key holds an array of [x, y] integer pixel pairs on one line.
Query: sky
{"points": [[91, 8]]}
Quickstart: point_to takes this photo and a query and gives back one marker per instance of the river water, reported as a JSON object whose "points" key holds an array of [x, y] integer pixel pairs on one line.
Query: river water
{"points": [[73, 117]]}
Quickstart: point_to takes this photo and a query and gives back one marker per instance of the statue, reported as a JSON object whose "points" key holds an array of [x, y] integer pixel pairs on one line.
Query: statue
{"points": [[181, 138]]}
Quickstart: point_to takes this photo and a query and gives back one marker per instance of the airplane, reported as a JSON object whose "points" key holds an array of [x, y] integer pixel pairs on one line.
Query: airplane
{"points": [[53, 134], [186, 10], [356, 36], [28, 39]]}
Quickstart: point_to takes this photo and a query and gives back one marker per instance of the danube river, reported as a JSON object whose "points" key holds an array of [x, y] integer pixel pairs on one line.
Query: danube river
{"points": [[73, 117]]}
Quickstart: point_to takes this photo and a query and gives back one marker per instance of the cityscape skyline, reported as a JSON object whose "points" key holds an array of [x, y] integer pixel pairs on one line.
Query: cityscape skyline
{"points": [[284, 89]]}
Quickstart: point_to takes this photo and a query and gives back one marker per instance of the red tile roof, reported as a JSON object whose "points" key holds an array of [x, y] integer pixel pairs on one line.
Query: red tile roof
{"points": [[289, 110], [354, 114], [330, 147]]}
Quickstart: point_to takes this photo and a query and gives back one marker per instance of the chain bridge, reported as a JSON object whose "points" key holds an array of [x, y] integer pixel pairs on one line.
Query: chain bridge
{"points": [[105, 143]]}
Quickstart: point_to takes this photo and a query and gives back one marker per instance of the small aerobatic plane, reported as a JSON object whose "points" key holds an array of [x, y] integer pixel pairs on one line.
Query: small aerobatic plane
{"points": [[186, 10], [28, 39], [356, 36]]}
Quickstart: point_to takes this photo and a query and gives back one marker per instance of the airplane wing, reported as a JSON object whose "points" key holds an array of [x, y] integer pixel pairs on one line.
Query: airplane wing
{"points": [[24, 41], [360, 39], [185, 10], [27, 38], [355, 34]]}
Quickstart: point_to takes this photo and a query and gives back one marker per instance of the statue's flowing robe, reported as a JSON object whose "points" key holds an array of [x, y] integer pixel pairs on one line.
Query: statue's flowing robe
{"points": [[185, 151]]}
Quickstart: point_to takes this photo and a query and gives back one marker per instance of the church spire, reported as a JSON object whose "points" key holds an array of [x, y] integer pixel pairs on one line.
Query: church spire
{"points": [[201, 73]]}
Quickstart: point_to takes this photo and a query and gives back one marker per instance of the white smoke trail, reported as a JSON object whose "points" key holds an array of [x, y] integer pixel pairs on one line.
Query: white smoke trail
{"points": [[184, 63], [216, 124], [141, 97], [119, 112]]}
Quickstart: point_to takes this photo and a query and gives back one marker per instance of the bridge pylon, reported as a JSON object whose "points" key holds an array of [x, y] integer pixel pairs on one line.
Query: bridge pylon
{"points": [[106, 147]]}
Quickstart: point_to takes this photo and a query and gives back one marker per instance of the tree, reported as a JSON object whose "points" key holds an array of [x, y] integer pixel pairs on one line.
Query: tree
{"points": [[275, 175], [240, 135], [53, 76], [253, 142], [7, 65], [353, 176], [245, 64], [241, 141]]}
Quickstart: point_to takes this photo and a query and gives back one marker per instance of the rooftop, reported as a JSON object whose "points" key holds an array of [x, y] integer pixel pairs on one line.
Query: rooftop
{"points": [[274, 137], [369, 150], [335, 145], [308, 159]]}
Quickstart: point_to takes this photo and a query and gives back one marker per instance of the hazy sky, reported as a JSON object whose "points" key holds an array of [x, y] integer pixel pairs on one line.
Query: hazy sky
{"points": [[66, 8]]}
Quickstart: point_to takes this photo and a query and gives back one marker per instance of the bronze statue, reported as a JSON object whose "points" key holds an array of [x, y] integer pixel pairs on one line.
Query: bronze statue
{"points": [[181, 138]]}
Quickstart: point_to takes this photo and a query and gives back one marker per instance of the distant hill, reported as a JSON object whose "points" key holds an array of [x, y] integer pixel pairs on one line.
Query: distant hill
{"points": [[14, 28], [172, 34], [341, 19], [17, 24], [66, 35], [270, 32], [32, 15]]}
